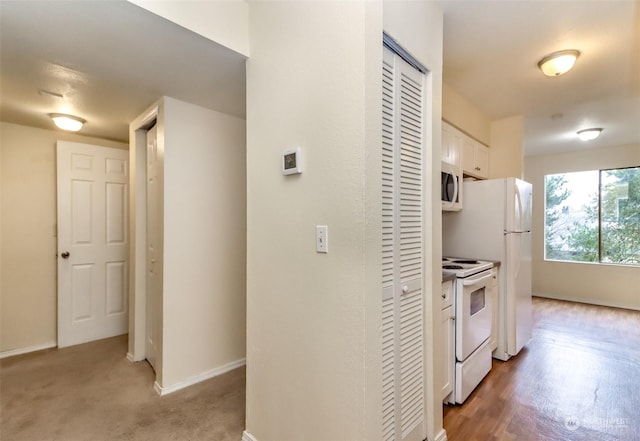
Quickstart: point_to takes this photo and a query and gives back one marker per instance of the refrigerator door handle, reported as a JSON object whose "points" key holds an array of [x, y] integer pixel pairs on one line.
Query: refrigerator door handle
{"points": [[519, 263], [520, 227]]}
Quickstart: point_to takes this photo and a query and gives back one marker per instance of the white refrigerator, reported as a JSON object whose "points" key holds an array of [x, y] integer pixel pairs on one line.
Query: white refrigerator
{"points": [[495, 224]]}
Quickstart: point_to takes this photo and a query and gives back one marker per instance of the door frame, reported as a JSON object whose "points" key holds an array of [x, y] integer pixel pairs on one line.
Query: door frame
{"points": [[138, 232]]}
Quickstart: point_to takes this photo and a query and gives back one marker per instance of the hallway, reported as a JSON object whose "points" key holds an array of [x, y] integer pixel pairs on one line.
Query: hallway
{"points": [[92, 392]]}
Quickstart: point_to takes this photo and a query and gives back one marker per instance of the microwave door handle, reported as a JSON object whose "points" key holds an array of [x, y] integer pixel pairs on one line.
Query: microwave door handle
{"points": [[471, 281], [445, 188], [455, 188], [451, 177]]}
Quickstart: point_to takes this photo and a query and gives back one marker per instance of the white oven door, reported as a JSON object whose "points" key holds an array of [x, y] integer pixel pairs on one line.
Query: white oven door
{"points": [[474, 313]]}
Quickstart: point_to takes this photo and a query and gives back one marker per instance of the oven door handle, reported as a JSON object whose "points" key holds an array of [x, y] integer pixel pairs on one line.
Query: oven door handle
{"points": [[469, 282]]}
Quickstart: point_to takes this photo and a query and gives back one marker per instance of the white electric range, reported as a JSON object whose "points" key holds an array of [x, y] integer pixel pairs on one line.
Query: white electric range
{"points": [[462, 267], [474, 317]]}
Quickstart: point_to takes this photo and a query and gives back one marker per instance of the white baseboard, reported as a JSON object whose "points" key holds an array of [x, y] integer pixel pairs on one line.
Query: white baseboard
{"points": [[441, 436], [200, 377], [28, 349], [157, 388], [246, 436], [599, 302], [132, 358]]}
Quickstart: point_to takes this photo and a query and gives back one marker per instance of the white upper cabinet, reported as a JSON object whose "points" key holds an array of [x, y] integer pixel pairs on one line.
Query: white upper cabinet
{"points": [[451, 144], [475, 158], [465, 154]]}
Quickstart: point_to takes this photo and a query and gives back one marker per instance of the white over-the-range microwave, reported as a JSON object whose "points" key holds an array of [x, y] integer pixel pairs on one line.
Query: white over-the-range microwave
{"points": [[450, 187]]}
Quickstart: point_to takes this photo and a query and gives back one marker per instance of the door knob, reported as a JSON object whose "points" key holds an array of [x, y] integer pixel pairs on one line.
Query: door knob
{"points": [[405, 289], [65, 254]]}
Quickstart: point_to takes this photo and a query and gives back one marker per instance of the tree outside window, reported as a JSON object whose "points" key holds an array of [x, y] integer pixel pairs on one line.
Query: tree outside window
{"points": [[593, 216]]}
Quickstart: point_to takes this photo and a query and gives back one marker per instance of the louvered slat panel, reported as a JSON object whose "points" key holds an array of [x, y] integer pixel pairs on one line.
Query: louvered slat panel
{"points": [[411, 361], [388, 165], [411, 261], [402, 252], [388, 370], [410, 180]]}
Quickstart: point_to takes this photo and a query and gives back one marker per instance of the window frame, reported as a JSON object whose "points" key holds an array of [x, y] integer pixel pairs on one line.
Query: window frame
{"points": [[599, 217]]}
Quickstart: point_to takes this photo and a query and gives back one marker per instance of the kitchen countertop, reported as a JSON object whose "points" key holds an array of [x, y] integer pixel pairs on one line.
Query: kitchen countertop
{"points": [[450, 276], [447, 276]]}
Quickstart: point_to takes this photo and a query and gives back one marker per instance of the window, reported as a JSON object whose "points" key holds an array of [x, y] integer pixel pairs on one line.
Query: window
{"points": [[593, 216]]}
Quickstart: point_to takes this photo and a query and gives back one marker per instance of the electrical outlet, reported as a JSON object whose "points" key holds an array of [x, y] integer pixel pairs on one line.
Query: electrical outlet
{"points": [[322, 239]]}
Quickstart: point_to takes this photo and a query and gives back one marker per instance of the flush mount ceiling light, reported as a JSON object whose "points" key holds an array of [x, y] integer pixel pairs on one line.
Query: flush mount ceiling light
{"points": [[558, 63], [67, 122], [589, 134]]}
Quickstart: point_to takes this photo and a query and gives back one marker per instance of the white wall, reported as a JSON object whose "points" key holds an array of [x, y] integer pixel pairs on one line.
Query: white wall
{"points": [[506, 153], [203, 317], [314, 81], [225, 22], [28, 295], [310, 316], [613, 285], [204, 295], [459, 112]]}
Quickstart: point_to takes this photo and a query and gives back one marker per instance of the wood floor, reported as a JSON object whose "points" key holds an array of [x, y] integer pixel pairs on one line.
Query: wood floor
{"points": [[577, 380]]}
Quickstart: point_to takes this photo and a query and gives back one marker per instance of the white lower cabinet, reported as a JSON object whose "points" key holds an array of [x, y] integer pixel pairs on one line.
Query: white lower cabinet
{"points": [[447, 323], [493, 340]]}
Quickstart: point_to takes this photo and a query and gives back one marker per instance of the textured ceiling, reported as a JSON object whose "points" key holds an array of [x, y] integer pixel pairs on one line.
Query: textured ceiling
{"points": [[491, 50], [110, 60]]}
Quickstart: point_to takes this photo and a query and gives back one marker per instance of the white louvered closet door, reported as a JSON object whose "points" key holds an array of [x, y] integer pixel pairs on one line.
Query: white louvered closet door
{"points": [[402, 253]]}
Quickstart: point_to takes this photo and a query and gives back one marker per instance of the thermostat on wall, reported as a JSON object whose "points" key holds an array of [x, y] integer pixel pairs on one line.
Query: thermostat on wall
{"points": [[292, 161]]}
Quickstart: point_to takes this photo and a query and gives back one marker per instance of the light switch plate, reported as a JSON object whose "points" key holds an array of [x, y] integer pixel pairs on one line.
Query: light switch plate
{"points": [[322, 239]]}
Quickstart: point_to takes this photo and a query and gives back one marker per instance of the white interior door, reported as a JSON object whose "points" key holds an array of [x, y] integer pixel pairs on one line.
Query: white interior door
{"points": [[154, 248], [92, 187], [402, 253]]}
